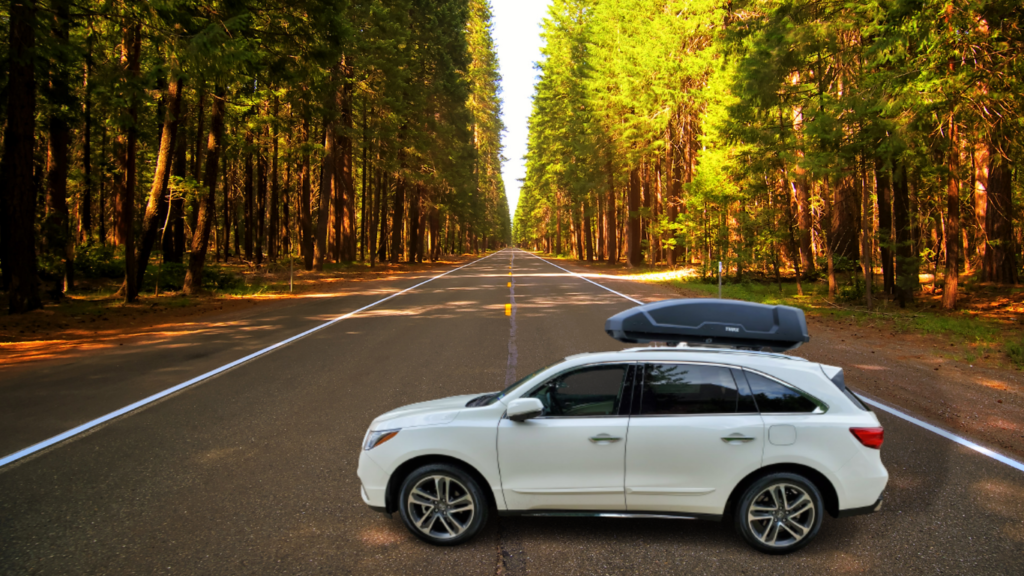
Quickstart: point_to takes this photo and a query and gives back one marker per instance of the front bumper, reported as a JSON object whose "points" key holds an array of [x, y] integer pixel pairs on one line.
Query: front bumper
{"points": [[373, 482], [859, 511]]}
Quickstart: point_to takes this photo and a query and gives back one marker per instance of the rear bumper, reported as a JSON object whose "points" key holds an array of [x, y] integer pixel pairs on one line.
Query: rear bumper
{"points": [[859, 511]]}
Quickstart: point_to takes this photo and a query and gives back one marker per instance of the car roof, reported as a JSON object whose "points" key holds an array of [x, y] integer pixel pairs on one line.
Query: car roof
{"points": [[690, 352]]}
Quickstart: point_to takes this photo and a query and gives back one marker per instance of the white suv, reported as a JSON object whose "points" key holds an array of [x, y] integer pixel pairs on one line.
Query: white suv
{"points": [[766, 440]]}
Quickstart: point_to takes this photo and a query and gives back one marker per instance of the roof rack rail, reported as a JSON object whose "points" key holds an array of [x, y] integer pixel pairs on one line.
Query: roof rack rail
{"points": [[714, 350], [712, 323]]}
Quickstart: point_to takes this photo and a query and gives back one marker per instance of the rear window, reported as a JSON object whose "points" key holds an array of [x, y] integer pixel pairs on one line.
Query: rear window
{"points": [[856, 401], [773, 397], [679, 389]]}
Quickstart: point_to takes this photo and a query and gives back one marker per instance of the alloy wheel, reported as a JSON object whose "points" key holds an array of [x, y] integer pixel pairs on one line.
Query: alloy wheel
{"points": [[440, 506], [781, 515]]}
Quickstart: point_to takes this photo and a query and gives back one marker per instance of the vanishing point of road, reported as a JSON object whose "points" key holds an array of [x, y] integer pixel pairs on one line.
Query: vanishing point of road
{"points": [[253, 470]]}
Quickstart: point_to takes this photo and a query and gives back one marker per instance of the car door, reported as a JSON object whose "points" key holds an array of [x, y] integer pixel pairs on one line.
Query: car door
{"points": [[694, 434], [794, 430], [572, 457]]}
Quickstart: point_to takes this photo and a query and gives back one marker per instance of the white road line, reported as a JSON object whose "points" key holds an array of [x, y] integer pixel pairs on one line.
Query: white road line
{"points": [[134, 406], [944, 433], [899, 414], [585, 278]]}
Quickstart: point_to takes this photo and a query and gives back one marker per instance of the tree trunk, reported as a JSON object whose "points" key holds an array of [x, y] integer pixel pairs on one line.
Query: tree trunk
{"points": [[201, 236], [1000, 260], [981, 161], [273, 236], [151, 221], [558, 226], [61, 242], [883, 191], [261, 197], [348, 191], [398, 217], [103, 187], [830, 233], [227, 209], [906, 260], [610, 219], [285, 227], [305, 203], [85, 206], [371, 225], [588, 236], [337, 200], [866, 236], [634, 257], [127, 140], [362, 203], [197, 154], [382, 216], [174, 242], [576, 231], [435, 234], [18, 195], [421, 236], [673, 173], [804, 224], [326, 181], [845, 219], [413, 248], [952, 232], [249, 195]]}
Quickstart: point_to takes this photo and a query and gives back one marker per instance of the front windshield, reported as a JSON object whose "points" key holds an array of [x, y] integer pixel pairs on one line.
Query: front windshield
{"points": [[508, 390]]}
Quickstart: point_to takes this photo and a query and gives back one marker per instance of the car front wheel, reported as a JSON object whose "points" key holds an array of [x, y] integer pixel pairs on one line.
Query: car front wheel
{"points": [[442, 504], [780, 513]]}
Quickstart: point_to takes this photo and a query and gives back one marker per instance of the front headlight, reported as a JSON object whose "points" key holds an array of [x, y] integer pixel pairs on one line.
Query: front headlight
{"points": [[374, 439]]}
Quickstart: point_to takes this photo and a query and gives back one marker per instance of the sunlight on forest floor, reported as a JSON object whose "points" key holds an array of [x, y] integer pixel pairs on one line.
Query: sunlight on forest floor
{"points": [[93, 318], [988, 320]]}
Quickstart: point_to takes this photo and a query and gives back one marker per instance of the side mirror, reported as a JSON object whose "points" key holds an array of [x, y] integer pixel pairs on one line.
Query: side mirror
{"points": [[522, 409]]}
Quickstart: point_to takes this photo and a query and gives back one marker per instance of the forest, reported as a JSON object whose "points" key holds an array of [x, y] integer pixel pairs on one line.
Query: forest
{"points": [[179, 133], [801, 139]]}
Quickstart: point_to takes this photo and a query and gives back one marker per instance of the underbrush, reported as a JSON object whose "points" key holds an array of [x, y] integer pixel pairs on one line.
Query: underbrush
{"points": [[973, 336], [1015, 350]]}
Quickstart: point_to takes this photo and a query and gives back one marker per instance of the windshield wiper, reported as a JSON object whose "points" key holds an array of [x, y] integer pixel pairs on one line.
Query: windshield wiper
{"points": [[481, 400]]}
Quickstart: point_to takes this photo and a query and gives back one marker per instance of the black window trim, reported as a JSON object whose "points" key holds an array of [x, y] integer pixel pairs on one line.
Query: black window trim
{"points": [[640, 384], [822, 407], [630, 366]]}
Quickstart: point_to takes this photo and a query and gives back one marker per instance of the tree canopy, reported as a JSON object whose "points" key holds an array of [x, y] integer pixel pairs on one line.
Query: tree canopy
{"points": [[189, 131], [806, 137]]}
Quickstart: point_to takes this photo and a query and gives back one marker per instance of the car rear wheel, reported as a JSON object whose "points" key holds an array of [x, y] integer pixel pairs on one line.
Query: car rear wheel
{"points": [[780, 513], [442, 504]]}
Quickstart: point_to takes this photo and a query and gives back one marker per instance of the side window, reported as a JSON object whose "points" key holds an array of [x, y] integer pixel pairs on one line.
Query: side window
{"points": [[593, 391], [691, 389], [773, 398]]}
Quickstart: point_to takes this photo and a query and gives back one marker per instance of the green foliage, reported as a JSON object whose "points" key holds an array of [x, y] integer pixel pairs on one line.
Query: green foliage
{"points": [[1015, 350], [96, 260], [852, 291], [758, 126]]}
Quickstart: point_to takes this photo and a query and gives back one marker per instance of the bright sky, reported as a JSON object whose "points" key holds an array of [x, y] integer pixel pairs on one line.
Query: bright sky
{"points": [[517, 35]]}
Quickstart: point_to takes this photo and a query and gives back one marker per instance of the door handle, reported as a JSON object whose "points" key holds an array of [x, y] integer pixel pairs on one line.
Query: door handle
{"points": [[604, 439], [736, 438]]}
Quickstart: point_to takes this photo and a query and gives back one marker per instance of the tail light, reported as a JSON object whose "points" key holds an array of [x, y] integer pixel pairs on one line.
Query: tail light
{"points": [[870, 437]]}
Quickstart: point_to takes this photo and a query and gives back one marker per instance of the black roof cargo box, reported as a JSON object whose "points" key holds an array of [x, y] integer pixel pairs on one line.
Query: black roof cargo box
{"points": [[706, 321]]}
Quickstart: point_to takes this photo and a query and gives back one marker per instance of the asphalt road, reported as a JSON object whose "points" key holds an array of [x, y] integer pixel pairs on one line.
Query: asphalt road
{"points": [[253, 471]]}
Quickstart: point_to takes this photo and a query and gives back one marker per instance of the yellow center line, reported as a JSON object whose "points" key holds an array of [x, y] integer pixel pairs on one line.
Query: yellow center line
{"points": [[509, 285], [508, 309]]}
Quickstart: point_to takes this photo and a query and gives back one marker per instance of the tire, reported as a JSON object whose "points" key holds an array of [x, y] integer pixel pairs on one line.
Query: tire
{"points": [[780, 529], [442, 504]]}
